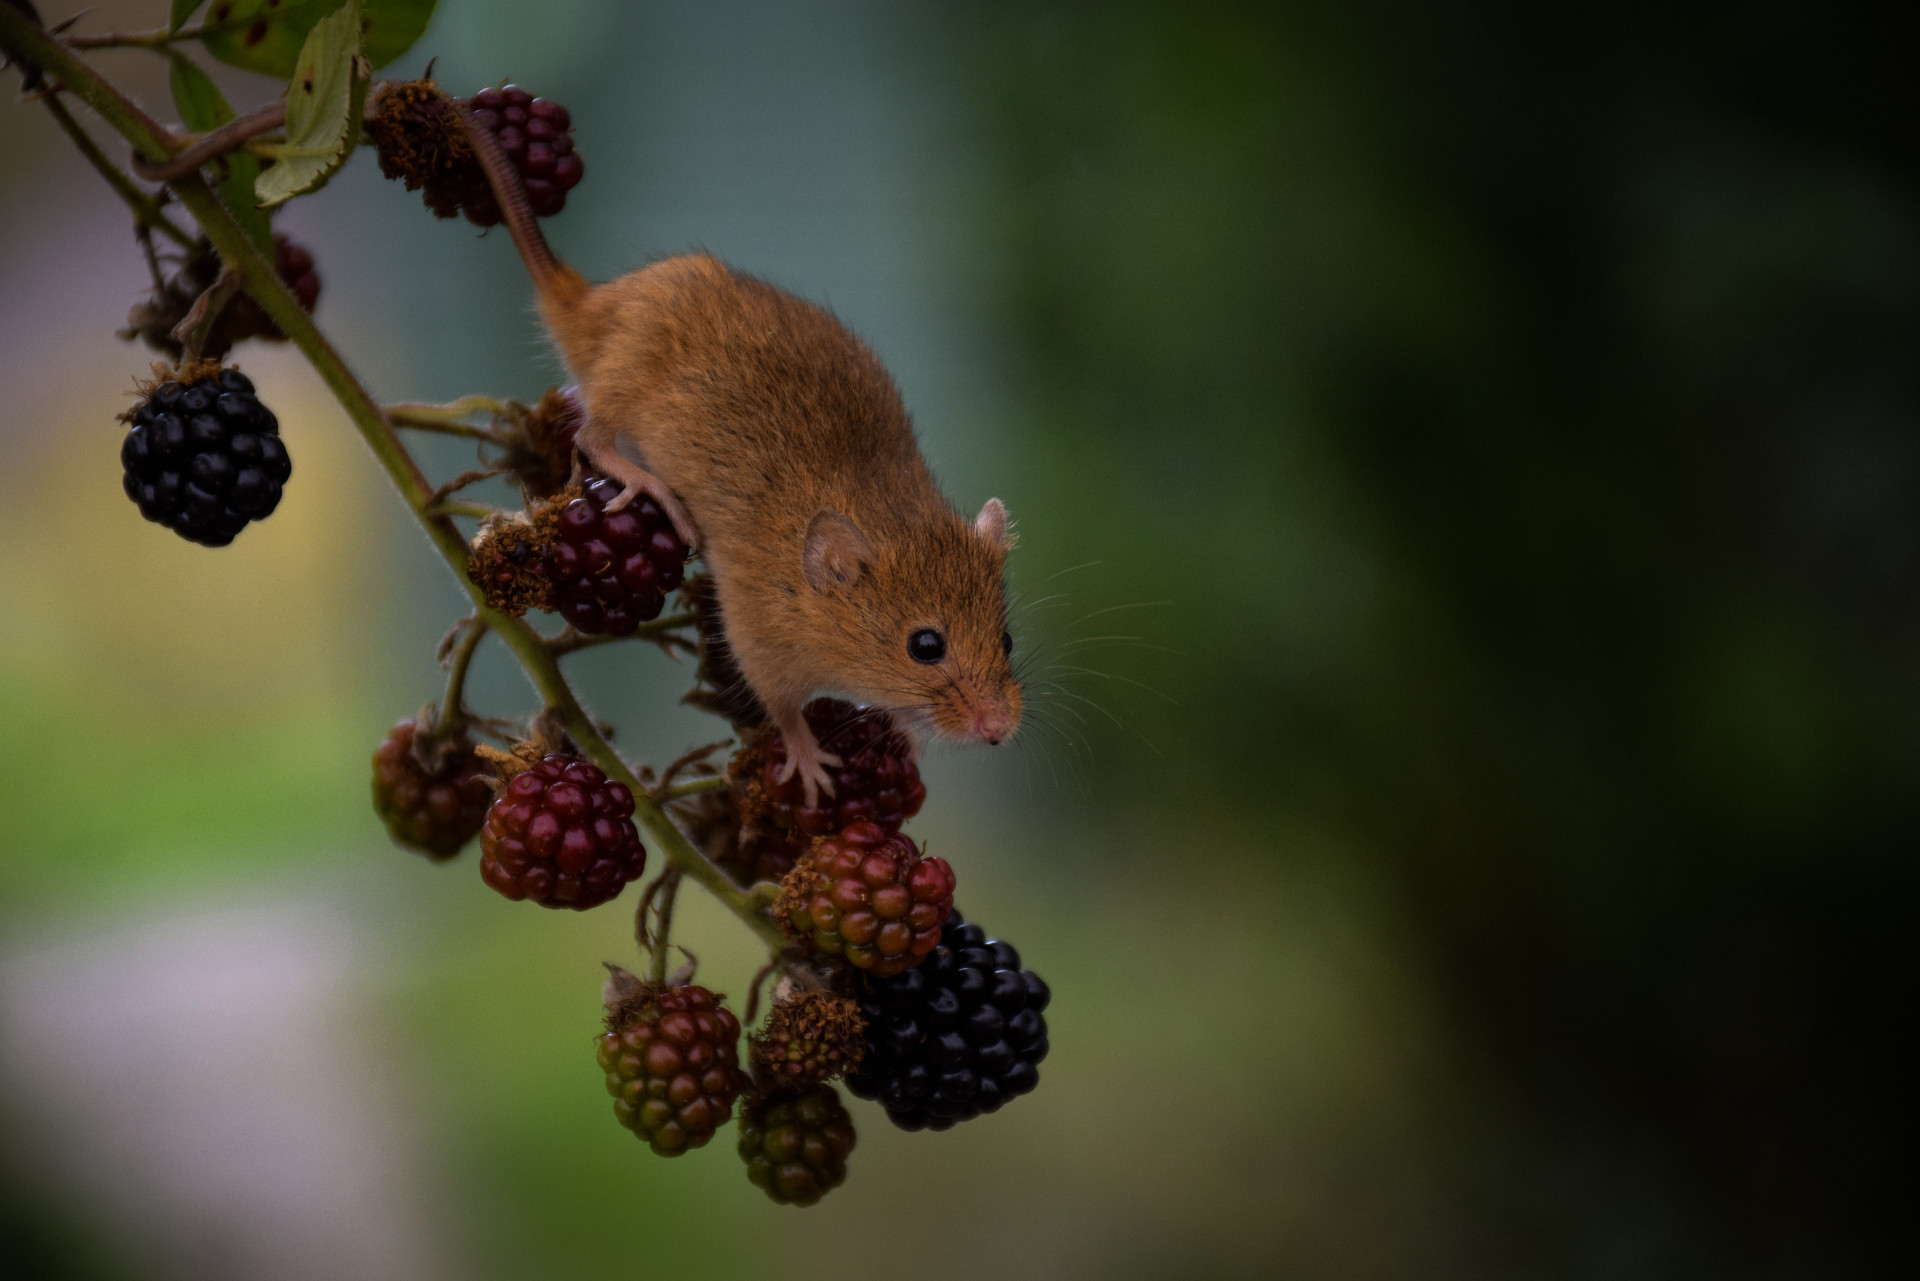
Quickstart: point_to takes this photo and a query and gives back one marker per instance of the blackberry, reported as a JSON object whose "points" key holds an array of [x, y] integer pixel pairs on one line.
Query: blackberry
{"points": [[796, 1149], [877, 781], [154, 319], [432, 796], [203, 457], [562, 835], [958, 1036], [535, 135], [611, 571], [672, 1060], [808, 1038], [868, 897]]}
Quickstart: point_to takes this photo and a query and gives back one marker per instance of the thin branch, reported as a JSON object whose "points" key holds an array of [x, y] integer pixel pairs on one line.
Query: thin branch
{"points": [[573, 639], [191, 333], [228, 137], [663, 927], [461, 481], [457, 678], [455, 507], [146, 210], [694, 787]]}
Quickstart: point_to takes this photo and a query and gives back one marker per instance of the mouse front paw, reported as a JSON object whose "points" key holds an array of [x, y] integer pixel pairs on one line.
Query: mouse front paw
{"points": [[811, 762]]}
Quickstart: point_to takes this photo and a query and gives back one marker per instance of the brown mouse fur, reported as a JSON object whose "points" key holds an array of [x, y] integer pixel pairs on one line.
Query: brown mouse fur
{"points": [[780, 446]]}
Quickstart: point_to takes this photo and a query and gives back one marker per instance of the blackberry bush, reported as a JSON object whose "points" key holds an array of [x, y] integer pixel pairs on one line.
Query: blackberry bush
{"points": [[203, 457], [959, 1036]]}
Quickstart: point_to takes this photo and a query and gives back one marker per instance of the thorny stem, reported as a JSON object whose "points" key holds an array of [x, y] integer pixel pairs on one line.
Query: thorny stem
{"points": [[228, 137], [136, 39], [24, 41], [457, 677], [146, 210], [663, 927]]}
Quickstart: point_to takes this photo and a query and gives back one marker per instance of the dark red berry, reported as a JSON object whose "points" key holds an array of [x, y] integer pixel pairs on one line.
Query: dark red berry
{"points": [[611, 571], [672, 1060], [877, 781], [533, 133], [433, 796], [562, 835], [796, 1148], [204, 457], [867, 896], [957, 1036]]}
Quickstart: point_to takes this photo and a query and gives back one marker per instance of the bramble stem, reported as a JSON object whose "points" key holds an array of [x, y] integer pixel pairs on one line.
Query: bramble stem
{"points": [[663, 916], [456, 507], [228, 137], [457, 677], [146, 210], [571, 640], [693, 787], [415, 414], [26, 42], [135, 39]]}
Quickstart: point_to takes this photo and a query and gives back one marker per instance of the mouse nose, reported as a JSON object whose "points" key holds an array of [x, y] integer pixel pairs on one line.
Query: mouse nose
{"points": [[994, 724]]}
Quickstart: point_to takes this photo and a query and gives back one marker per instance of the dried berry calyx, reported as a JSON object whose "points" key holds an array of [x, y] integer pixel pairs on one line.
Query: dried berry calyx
{"points": [[422, 140], [610, 571], [536, 135], [868, 897], [796, 1148], [544, 462], [562, 834], [203, 456], [671, 1059], [876, 782], [808, 1038], [431, 793], [955, 1037], [507, 561]]}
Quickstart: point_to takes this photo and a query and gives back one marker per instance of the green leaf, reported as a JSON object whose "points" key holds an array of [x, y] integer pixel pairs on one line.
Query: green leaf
{"points": [[324, 101], [267, 35], [202, 107], [182, 10]]}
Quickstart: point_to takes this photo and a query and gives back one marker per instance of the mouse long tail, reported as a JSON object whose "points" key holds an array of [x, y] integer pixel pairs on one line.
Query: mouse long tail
{"points": [[555, 281]]}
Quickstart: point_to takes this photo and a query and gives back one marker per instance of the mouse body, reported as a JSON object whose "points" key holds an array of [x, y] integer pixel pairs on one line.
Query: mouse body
{"points": [[780, 447]]}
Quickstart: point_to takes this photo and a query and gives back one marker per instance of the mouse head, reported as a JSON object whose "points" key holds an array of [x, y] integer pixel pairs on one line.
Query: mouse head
{"points": [[916, 617]]}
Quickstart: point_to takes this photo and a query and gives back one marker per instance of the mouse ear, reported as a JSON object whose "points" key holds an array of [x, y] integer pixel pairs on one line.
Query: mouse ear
{"points": [[992, 524], [836, 552]]}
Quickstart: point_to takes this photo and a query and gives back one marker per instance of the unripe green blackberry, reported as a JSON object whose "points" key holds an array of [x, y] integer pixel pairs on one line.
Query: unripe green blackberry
{"points": [[868, 897], [796, 1148], [203, 456], [672, 1061], [432, 795]]}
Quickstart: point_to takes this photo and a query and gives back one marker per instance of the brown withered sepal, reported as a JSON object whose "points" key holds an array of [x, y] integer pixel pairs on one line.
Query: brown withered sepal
{"points": [[507, 561], [422, 140], [809, 1037]]}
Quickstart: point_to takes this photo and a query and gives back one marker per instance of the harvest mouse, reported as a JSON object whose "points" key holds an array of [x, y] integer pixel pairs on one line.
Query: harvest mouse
{"points": [[780, 448]]}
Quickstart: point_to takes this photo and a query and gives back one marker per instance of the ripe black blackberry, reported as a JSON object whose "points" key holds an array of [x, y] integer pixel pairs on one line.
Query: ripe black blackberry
{"points": [[796, 1148], [535, 135], [561, 834], [203, 457], [957, 1036], [877, 781], [611, 571]]}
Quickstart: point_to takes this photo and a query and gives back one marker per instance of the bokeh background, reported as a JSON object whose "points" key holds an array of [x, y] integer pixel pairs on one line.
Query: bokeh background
{"points": [[1467, 460]]}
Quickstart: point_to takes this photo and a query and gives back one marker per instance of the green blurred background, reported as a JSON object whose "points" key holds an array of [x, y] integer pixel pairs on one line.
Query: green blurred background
{"points": [[1467, 460]]}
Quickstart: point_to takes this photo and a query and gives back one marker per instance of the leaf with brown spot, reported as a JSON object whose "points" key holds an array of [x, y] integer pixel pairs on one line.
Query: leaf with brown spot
{"points": [[324, 102], [267, 35]]}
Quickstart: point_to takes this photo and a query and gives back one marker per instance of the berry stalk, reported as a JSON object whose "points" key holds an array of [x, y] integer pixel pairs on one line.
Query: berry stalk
{"points": [[26, 42]]}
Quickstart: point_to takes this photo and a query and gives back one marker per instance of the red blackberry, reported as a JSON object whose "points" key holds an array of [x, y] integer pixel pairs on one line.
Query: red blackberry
{"points": [[203, 457], [535, 135], [611, 571], [808, 1038], [957, 1036], [877, 781], [796, 1149], [672, 1061], [867, 896], [432, 796], [562, 835]]}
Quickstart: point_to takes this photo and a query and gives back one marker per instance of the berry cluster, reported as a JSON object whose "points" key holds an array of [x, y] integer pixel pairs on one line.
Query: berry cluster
{"points": [[562, 835], [876, 782], [671, 1058], [432, 795], [611, 571], [868, 897], [534, 134], [960, 1035], [203, 457]]}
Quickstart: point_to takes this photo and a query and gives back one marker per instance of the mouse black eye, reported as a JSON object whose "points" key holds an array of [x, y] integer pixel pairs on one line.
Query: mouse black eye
{"points": [[927, 646], [1006, 643]]}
